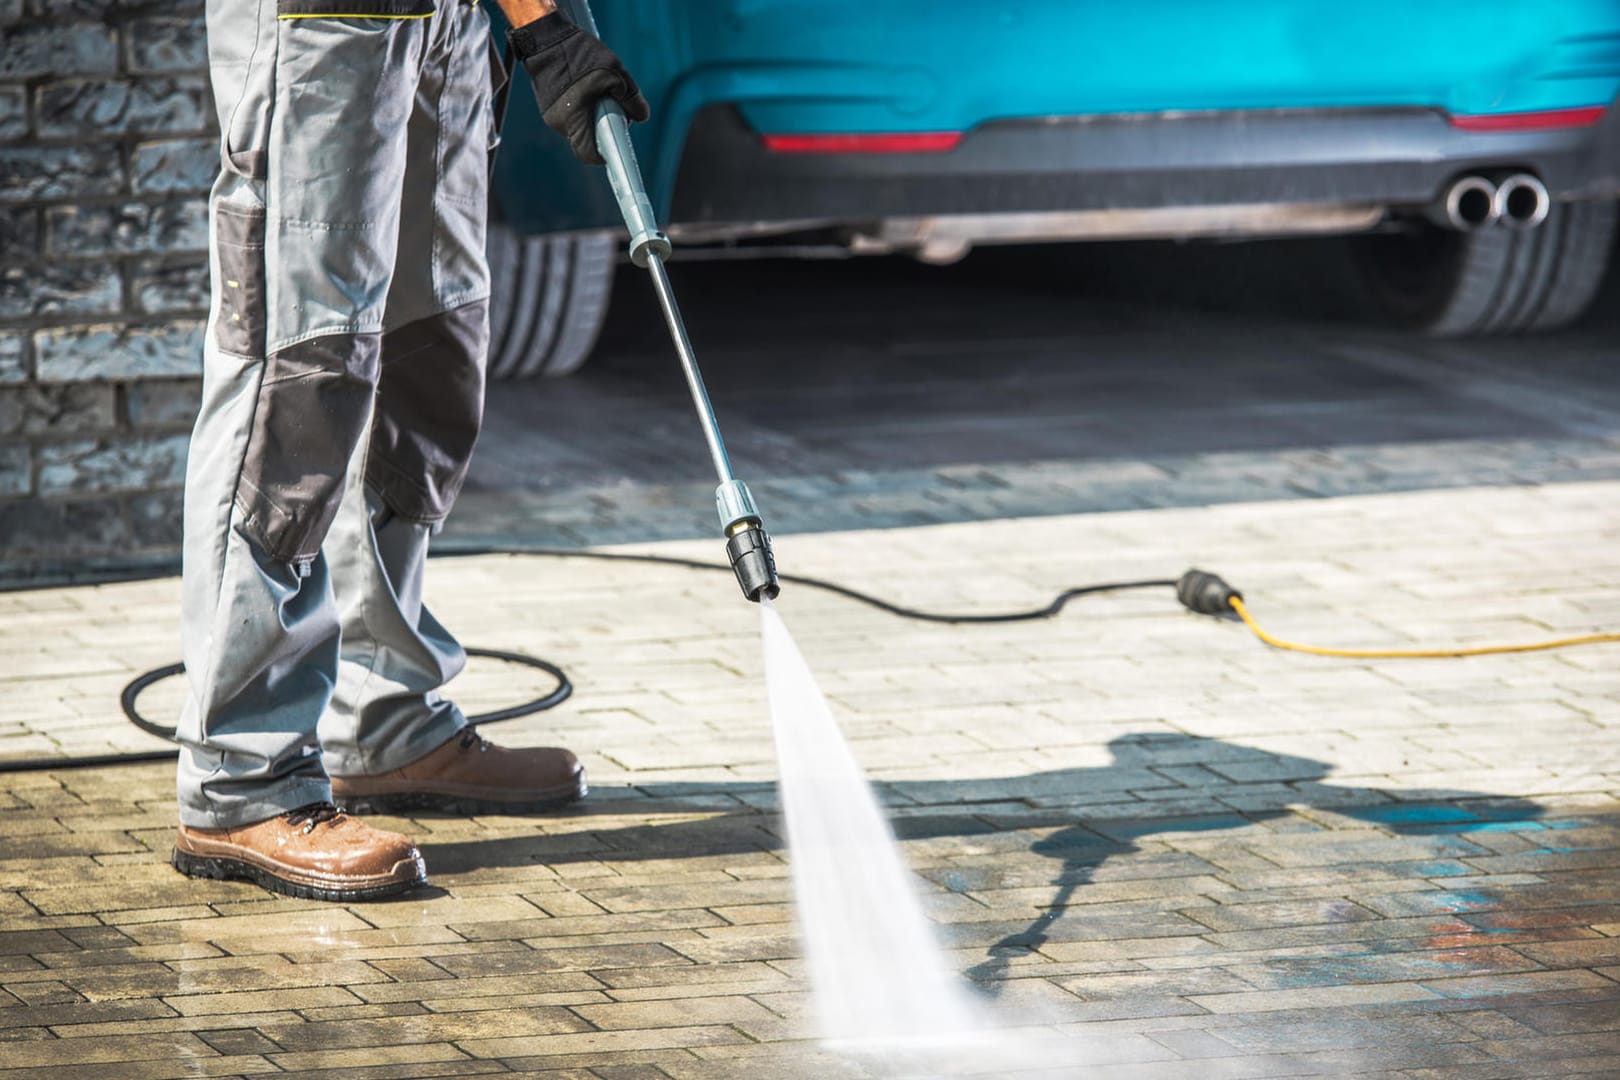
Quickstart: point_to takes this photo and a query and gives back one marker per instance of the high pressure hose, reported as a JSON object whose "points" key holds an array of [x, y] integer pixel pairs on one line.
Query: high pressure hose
{"points": [[128, 698], [1198, 591]]}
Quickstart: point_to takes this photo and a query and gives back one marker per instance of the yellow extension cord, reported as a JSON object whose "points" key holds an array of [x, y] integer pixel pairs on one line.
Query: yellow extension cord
{"points": [[1413, 654]]}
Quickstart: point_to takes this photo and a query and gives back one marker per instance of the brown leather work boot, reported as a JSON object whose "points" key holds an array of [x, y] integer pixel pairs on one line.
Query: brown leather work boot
{"points": [[316, 852], [468, 774]]}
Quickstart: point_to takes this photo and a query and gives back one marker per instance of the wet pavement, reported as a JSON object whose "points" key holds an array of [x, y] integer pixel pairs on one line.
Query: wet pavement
{"points": [[1137, 828]]}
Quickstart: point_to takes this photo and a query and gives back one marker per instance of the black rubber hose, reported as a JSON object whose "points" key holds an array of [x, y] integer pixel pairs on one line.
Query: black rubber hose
{"points": [[1046, 612], [128, 696]]}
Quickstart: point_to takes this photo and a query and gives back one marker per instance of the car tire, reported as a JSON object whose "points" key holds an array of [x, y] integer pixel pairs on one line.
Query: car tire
{"points": [[548, 299], [1494, 280]]}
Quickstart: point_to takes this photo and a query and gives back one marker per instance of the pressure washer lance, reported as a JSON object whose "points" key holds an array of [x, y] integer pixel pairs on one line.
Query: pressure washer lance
{"points": [[747, 543]]}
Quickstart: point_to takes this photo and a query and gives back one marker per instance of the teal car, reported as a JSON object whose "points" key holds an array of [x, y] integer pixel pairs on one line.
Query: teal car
{"points": [[1475, 146]]}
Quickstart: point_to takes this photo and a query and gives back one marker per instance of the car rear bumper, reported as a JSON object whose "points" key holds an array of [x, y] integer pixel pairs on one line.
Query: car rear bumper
{"points": [[1377, 157]]}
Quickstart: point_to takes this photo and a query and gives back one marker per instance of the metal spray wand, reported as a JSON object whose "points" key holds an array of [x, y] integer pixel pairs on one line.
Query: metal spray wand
{"points": [[747, 544]]}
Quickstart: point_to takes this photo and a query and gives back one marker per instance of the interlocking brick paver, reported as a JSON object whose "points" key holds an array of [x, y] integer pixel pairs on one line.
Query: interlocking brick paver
{"points": [[104, 1049], [378, 1056], [1529, 982], [478, 986], [170, 1069], [589, 1042], [250, 1001]]}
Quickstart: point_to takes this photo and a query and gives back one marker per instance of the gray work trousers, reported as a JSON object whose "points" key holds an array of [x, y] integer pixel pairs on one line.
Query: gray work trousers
{"points": [[342, 394]]}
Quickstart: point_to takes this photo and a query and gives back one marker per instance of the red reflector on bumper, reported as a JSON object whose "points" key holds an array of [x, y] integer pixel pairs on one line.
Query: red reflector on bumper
{"points": [[1531, 121], [920, 142]]}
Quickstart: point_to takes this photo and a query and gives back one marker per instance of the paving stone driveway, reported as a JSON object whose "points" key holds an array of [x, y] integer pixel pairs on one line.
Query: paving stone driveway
{"points": [[1029, 382], [1198, 857]]}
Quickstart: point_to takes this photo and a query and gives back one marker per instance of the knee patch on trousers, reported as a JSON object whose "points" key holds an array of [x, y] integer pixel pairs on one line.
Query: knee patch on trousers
{"points": [[239, 325], [430, 404], [314, 402]]}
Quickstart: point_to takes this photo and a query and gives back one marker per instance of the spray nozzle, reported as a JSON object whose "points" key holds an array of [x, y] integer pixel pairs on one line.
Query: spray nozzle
{"points": [[747, 543], [749, 548]]}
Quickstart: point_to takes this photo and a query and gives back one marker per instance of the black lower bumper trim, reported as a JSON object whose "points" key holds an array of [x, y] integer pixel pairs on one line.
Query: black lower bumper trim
{"points": [[1390, 157]]}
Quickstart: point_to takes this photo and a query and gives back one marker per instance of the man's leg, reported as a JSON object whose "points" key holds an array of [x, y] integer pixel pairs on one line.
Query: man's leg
{"points": [[304, 223], [387, 718]]}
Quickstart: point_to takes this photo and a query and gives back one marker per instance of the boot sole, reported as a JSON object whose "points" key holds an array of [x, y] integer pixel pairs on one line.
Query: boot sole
{"points": [[220, 868], [403, 802]]}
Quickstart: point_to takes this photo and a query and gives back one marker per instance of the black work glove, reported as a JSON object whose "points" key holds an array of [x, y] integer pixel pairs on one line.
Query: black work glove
{"points": [[572, 70]]}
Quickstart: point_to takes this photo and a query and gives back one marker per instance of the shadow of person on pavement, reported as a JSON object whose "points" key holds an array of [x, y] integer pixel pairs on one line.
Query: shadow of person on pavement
{"points": [[1203, 784], [1258, 786]]}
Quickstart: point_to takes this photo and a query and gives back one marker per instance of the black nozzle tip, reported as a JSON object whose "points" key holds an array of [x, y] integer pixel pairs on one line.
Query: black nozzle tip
{"points": [[1205, 593], [752, 561]]}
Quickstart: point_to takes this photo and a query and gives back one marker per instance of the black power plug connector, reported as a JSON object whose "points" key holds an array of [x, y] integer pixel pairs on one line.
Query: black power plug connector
{"points": [[1205, 593]]}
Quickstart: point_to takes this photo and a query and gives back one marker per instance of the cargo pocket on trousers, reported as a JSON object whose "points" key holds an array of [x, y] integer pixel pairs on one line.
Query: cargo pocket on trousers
{"points": [[314, 403], [239, 326]]}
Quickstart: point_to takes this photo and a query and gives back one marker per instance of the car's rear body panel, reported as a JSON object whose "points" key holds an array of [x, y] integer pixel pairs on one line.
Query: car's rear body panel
{"points": [[954, 66], [1075, 104]]}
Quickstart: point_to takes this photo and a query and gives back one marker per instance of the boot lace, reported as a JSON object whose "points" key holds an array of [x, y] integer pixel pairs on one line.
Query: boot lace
{"points": [[312, 815], [470, 736]]}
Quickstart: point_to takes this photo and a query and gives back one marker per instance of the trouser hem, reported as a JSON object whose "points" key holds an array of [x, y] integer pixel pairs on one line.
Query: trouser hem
{"points": [[425, 737], [277, 798]]}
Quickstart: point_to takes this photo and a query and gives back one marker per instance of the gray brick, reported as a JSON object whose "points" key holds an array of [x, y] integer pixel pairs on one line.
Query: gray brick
{"points": [[130, 229], [81, 353], [104, 466], [19, 230], [58, 289], [163, 403], [98, 9], [169, 288], [174, 165], [13, 356], [13, 113], [164, 44], [139, 106], [57, 410], [59, 172], [16, 468], [156, 518], [72, 9], [63, 528], [43, 48]]}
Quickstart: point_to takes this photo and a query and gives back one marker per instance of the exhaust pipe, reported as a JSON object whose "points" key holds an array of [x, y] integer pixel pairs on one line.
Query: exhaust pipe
{"points": [[1522, 201], [1471, 202]]}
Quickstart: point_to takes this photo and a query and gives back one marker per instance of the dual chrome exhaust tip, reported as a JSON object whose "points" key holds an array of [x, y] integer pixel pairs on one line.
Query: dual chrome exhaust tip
{"points": [[1516, 201]]}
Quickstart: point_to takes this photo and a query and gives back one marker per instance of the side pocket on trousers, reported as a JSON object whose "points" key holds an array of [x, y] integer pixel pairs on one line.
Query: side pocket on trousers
{"points": [[314, 403], [239, 248]]}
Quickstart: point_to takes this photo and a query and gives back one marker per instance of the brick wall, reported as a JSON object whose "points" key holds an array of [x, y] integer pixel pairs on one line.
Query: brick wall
{"points": [[106, 154]]}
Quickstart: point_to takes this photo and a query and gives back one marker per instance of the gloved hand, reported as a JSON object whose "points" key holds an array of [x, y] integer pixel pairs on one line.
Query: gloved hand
{"points": [[572, 70]]}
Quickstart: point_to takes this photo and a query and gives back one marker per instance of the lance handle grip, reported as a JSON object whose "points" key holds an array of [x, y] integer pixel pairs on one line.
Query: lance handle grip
{"points": [[624, 176]]}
